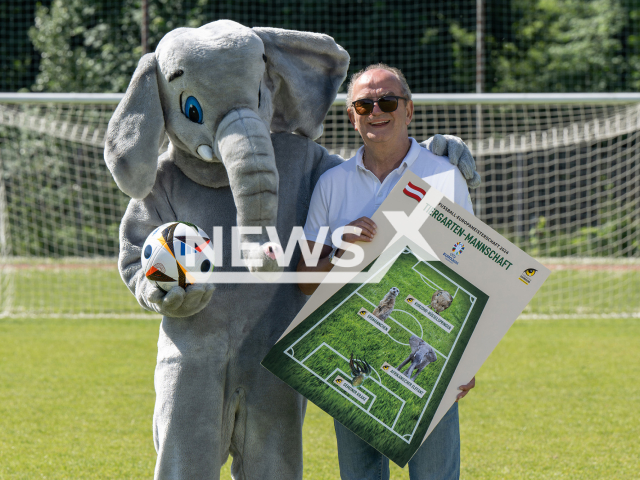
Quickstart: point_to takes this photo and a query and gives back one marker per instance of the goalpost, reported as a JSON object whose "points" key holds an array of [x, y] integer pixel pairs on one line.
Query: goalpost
{"points": [[560, 179]]}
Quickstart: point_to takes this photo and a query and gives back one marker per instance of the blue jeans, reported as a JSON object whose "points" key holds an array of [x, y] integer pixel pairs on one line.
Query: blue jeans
{"points": [[438, 458]]}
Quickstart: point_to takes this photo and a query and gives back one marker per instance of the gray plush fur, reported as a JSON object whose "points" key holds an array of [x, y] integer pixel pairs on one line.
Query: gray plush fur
{"points": [[134, 137], [212, 396], [459, 155]]}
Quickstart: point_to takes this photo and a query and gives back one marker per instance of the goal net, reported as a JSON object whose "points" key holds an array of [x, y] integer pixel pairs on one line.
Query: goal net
{"points": [[560, 179]]}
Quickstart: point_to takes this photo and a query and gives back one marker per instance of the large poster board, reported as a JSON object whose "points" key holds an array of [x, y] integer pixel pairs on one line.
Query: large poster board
{"points": [[383, 346]]}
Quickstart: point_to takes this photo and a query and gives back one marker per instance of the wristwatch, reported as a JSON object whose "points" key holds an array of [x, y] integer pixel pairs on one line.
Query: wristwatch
{"points": [[332, 254]]}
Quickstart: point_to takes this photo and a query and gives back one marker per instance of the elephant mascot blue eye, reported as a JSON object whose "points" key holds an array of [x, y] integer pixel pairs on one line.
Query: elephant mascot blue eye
{"points": [[193, 110]]}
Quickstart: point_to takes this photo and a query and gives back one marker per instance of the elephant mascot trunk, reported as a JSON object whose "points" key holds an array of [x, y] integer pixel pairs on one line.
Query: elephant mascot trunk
{"points": [[243, 144]]}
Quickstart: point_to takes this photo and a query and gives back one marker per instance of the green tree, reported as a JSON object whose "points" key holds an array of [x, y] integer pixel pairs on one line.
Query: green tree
{"points": [[464, 55], [18, 59], [550, 46], [632, 44], [562, 46], [95, 47]]}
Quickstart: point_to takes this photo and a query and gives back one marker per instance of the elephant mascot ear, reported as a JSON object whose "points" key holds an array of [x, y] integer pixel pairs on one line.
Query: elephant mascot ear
{"points": [[304, 72], [135, 132]]}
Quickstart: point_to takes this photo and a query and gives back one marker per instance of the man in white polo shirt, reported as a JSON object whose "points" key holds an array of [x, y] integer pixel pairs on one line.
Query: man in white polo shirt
{"points": [[380, 108]]}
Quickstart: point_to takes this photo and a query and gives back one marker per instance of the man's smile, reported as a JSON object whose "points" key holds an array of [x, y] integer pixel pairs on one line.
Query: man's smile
{"points": [[379, 123]]}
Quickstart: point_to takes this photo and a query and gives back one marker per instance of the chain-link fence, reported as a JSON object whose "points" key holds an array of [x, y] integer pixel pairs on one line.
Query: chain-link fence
{"points": [[442, 47], [561, 180]]}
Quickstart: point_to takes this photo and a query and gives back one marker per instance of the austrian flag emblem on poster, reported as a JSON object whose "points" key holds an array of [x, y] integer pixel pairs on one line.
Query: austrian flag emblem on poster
{"points": [[414, 192]]}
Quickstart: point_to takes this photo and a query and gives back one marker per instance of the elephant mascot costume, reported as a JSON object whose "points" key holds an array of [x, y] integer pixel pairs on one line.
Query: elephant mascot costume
{"points": [[241, 107]]}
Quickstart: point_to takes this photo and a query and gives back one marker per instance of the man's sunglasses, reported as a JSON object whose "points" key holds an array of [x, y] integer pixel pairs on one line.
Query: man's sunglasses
{"points": [[388, 103]]}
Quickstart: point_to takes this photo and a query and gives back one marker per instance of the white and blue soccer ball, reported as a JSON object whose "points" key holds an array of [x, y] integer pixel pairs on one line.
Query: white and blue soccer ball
{"points": [[173, 252]]}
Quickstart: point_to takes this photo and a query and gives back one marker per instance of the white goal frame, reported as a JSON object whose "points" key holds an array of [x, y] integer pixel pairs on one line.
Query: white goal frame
{"points": [[566, 120]]}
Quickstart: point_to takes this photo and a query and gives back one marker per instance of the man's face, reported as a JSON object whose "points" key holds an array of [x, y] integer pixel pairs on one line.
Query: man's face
{"points": [[380, 126]]}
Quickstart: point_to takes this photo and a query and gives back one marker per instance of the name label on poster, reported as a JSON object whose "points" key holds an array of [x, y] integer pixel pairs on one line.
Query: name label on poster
{"points": [[373, 320], [351, 390], [403, 380], [430, 314]]}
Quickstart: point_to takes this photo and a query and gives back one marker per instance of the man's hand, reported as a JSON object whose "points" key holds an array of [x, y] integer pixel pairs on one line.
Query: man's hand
{"points": [[368, 227], [466, 388], [368, 230]]}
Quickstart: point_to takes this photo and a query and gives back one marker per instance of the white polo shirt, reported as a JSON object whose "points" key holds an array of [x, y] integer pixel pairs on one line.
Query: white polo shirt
{"points": [[349, 191]]}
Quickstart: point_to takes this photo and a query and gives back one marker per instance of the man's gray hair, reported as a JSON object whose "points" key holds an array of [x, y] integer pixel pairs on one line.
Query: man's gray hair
{"points": [[406, 92]]}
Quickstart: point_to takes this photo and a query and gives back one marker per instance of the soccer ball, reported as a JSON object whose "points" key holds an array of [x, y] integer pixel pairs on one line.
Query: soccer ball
{"points": [[173, 252]]}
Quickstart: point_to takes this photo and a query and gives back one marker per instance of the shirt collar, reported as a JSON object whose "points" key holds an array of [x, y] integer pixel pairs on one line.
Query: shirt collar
{"points": [[408, 160], [359, 161]]}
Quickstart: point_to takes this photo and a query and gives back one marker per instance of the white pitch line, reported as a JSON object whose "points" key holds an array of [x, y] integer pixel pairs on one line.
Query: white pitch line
{"points": [[428, 280], [400, 325], [305, 358], [379, 382], [430, 283], [350, 400], [377, 375], [443, 275], [397, 323], [440, 353], [342, 302], [397, 417], [445, 363], [375, 397], [473, 300], [411, 315], [366, 300], [332, 373], [346, 375], [347, 360]]}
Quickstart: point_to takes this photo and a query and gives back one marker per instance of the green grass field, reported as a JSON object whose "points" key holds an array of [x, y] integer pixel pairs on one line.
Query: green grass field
{"points": [[55, 289], [556, 399], [388, 414]]}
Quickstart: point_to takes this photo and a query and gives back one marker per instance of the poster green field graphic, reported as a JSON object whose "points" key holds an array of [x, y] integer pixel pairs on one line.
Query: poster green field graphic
{"points": [[383, 375]]}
